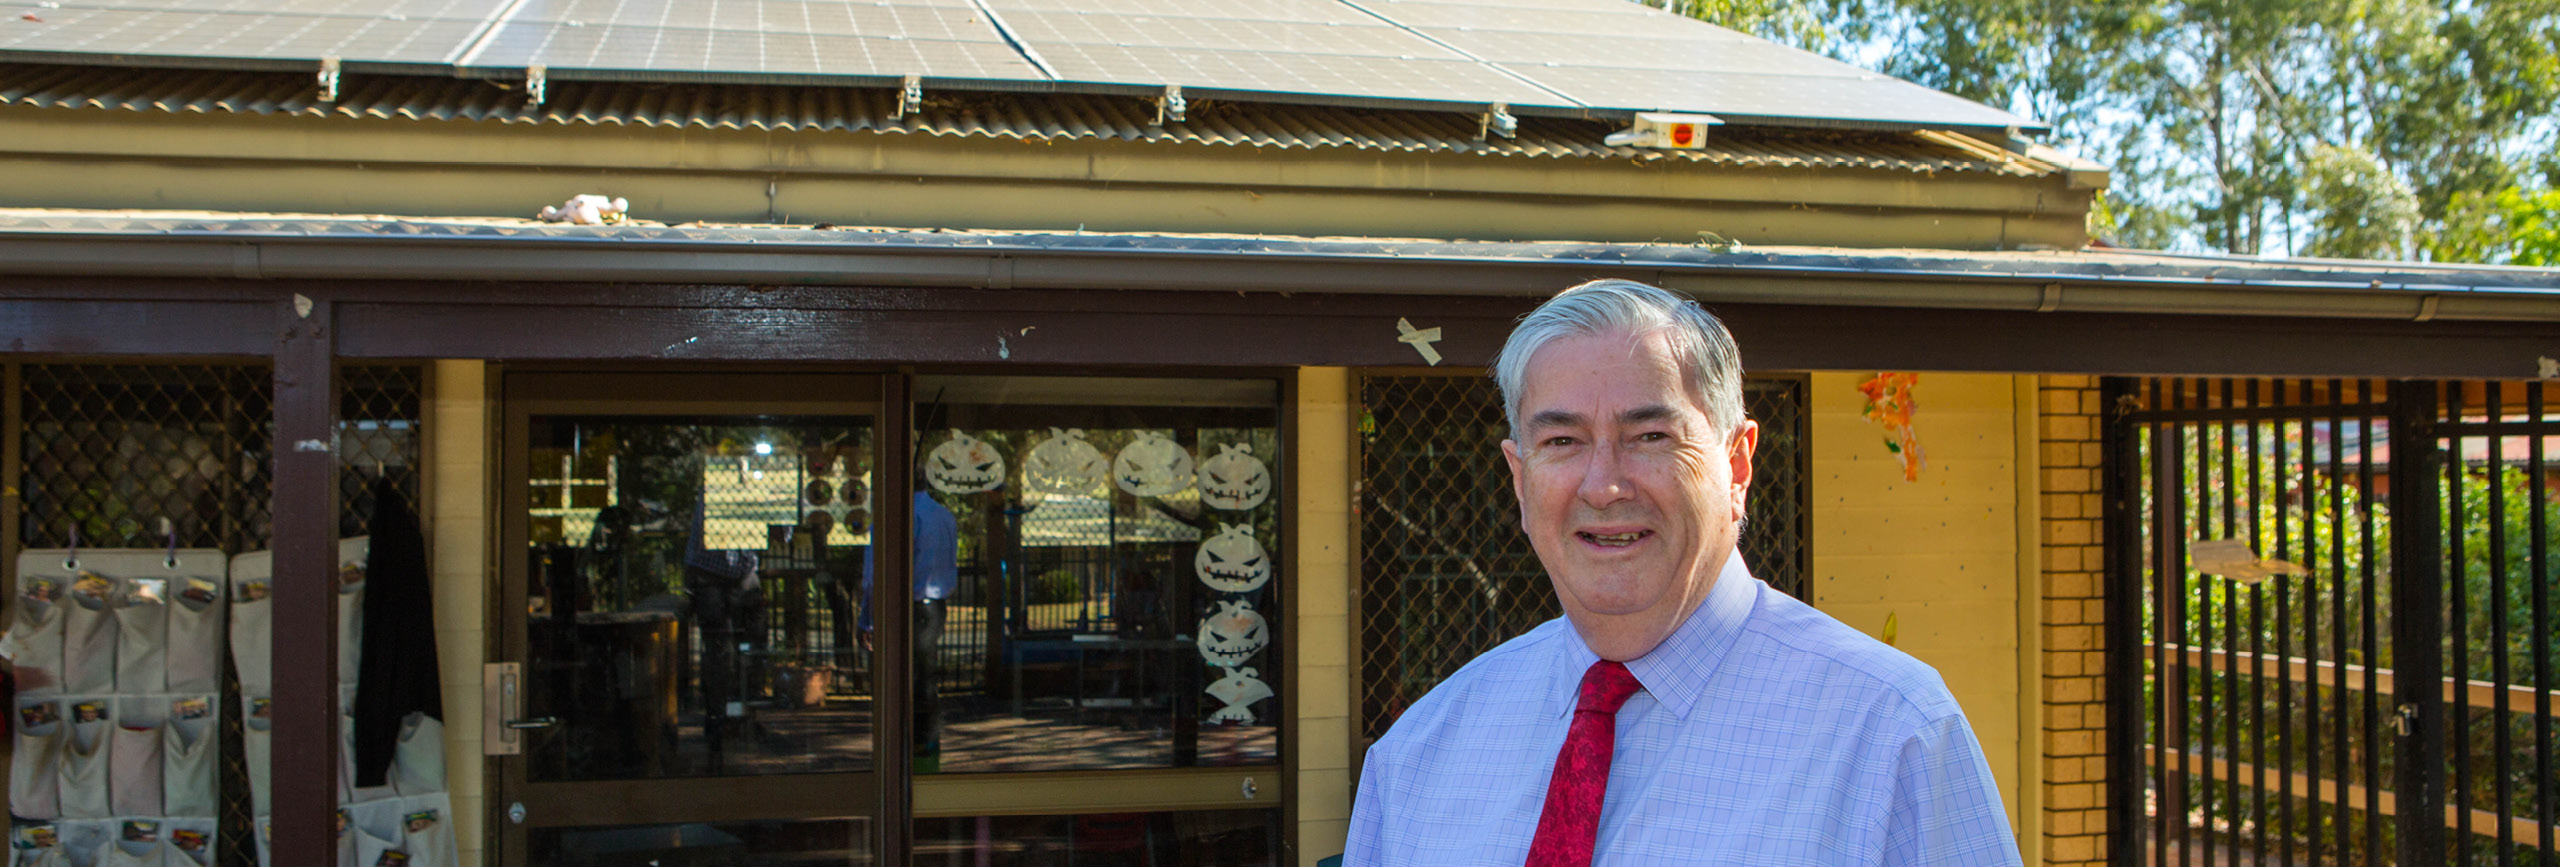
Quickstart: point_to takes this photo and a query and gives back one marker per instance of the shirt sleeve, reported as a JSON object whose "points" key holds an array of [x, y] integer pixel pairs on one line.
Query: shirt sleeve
{"points": [[1365, 846], [1945, 808]]}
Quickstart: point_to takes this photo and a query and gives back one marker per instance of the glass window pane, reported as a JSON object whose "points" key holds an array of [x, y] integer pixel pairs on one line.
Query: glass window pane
{"points": [[1097, 573], [806, 843], [1241, 838], [690, 596]]}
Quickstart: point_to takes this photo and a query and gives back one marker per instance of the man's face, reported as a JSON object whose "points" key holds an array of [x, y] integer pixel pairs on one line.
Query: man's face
{"points": [[1627, 492]]}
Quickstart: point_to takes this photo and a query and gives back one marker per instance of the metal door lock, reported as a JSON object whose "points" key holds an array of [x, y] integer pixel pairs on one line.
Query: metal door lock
{"points": [[1251, 790], [2406, 720], [515, 812]]}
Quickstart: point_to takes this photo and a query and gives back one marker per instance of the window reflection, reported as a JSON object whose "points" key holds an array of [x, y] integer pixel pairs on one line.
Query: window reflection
{"points": [[1242, 838], [706, 844], [1116, 593], [688, 605]]}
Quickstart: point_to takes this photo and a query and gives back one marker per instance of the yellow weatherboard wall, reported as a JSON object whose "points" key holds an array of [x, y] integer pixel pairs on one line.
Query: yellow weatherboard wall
{"points": [[458, 532], [1324, 570], [1939, 555]]}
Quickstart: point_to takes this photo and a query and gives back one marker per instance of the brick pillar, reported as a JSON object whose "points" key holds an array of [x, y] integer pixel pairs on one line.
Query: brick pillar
{"points": [[2074, 693]]}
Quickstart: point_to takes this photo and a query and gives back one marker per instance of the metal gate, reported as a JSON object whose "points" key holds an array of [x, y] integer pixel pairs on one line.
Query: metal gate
{"points": [[2344, 644]]}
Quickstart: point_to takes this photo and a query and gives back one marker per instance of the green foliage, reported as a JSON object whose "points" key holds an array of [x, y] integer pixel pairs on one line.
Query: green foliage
{"points": [[2330, 127]]}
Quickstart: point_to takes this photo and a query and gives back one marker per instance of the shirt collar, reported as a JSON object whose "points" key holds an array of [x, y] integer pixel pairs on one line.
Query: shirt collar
{"points": [[1675, 673]]}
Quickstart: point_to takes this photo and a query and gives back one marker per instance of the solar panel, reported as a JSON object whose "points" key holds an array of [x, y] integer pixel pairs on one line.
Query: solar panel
{"points": [[1352, 39], [948, 39], [177, 29], [1572, 55], [1821, 99]]}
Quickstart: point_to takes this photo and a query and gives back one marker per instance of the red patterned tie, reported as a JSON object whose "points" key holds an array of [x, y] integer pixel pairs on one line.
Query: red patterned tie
{"points": [[1571, 822]]}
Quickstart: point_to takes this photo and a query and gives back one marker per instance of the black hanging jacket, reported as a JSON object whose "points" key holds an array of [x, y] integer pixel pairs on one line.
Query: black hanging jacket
{"points": [[397, 673]]}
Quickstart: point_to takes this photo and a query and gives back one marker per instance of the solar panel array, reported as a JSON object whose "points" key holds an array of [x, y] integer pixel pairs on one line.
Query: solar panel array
{"points": [[1540, 56]]}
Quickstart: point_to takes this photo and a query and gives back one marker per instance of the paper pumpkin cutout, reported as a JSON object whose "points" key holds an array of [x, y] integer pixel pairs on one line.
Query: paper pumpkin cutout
{"points": [[1239, 690], [1152, 466], [1234, 480], [1232, 561], [1063, 464], [964, 464], [1232, 634]]}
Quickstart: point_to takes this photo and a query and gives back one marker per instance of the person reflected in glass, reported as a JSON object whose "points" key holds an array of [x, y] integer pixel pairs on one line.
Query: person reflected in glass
{"points": [[936, 539], [727, 598]]}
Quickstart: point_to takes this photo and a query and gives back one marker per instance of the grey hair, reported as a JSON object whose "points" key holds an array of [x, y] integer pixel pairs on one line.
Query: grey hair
{"points": [[1699, 342]]}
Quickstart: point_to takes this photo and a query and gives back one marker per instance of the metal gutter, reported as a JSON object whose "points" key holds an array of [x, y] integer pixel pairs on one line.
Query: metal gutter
{"points": [[2084, 283]]}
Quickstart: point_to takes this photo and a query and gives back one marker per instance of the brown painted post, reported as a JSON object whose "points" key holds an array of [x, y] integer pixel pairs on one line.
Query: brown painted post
{"points": [[892, 619], [305, 512]]}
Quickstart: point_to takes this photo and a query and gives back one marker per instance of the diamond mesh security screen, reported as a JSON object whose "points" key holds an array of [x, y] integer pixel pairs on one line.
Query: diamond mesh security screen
{"points": [[112, 449], [1445, 572]]}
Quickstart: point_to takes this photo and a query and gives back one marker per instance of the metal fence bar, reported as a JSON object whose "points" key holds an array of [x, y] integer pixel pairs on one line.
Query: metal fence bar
{"points": [[2284, 548], [2458, 621], [2226, 482], [2417, 597], [2498, 615], [2374, 745], [2197, 622], [2537, 554], [2257, 643], [2310, 643]]}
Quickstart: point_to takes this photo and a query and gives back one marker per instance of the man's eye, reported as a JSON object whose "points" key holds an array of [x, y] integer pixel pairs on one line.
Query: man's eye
{"points": [[1559, 442], [1652, 436]]}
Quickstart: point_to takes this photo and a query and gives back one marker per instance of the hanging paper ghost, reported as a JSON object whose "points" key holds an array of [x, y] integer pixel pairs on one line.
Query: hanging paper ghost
{"points": [[964, 465], [1239, 689], [1063, 464], [1153, 466], [1232, 561], [1235, 479], [1232, 634]]}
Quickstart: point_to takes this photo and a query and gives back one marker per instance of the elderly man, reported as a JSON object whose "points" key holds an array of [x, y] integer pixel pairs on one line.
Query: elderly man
{"points": [[1680, 712]]}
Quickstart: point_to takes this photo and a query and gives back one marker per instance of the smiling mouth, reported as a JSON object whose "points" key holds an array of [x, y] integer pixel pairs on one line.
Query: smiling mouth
{"points": [[1614, 540]]}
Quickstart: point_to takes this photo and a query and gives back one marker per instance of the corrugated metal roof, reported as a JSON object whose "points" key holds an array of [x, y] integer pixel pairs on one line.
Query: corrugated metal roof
{"points": [[1035, 117], [2040, 276]]}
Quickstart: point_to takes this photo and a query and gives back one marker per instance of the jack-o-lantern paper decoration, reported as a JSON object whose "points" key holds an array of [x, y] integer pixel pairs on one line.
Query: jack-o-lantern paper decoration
{"points": [[1234, 480], [964, 465], [1152, 466], [1232, 561], [1063, 464], [1239, 689], [1232, 634]]}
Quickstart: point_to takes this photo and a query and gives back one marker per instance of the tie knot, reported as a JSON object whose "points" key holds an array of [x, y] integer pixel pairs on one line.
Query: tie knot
{"points": [[1606, 687]]}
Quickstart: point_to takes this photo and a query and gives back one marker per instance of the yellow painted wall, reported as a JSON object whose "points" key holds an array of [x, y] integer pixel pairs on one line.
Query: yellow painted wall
{"points": [[458, 532], [1940, 554], [1324, 571]]}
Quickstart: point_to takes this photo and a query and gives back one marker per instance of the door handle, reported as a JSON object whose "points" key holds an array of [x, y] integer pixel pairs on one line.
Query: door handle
{"points": [[501, 706], [540, 722]]}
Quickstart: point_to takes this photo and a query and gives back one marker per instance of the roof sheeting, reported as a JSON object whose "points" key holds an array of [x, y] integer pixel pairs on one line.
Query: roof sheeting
{"points": [[1586, 58], [307, 246], [983, 115]]}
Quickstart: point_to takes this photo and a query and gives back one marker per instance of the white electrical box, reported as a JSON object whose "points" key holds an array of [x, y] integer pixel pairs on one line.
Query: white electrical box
{"points": [[1661, 129]]}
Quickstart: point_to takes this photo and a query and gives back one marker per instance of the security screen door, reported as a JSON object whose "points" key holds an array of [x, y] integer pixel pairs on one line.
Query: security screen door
{"points": [[682, 673]]}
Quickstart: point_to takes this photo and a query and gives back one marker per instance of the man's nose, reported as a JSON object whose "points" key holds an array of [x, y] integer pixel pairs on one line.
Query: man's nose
{"points": [[1604, 477]]}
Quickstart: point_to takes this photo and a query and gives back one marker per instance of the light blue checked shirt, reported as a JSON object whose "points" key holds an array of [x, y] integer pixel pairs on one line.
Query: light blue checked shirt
{"points": [[1766, 733]]}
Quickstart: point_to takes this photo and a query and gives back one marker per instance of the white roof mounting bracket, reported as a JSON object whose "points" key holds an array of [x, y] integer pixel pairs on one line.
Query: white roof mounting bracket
{"points": [[1497, 120], [329, 79], [1171, 105], [910, 98], [537, 84]]}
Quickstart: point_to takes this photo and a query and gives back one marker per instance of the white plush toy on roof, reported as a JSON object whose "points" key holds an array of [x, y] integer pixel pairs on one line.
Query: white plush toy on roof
{"points": [[587, 210]]}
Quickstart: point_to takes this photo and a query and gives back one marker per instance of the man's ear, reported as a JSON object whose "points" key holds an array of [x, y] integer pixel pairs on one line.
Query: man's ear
{"points": [[1745, 442], [1519, 492]]}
